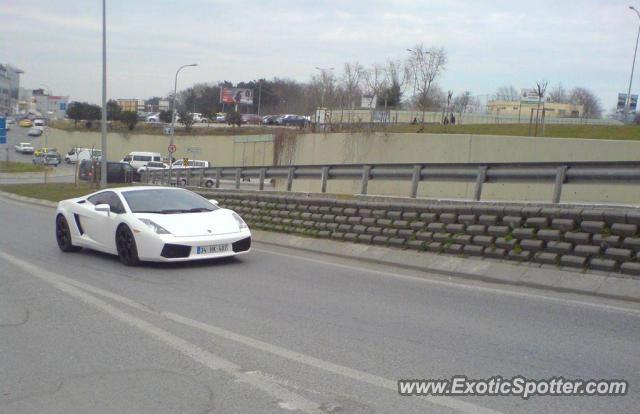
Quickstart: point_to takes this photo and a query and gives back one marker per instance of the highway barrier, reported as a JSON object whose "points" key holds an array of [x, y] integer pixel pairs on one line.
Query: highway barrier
{"points": [[555, 174]]}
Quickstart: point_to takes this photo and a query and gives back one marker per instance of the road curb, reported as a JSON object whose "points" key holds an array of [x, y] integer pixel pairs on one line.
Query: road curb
{"points": [[29, 200], [594, 284], [613, 286]]}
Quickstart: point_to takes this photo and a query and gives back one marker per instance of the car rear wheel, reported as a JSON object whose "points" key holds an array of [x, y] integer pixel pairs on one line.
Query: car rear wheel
{"points": [[126, 246], [63, 235], [208, 183]]}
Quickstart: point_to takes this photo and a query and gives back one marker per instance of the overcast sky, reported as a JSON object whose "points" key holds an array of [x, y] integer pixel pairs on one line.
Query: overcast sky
{"points": [[490, 43]]}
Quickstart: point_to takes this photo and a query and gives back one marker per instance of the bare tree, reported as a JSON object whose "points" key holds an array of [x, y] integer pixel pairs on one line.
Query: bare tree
{"points": [[558, 94], [591, 107], [397, 78], [541, 90], [375, 81], [461, 102], [351, 80], [426, 65], [507, 93], [326, 84]]}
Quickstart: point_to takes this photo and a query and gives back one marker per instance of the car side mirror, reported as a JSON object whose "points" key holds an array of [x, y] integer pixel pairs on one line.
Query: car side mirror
{"points": [[214, 202], [103, 208]]}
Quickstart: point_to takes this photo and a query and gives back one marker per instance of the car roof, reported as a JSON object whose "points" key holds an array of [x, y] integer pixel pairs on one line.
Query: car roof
{"points": [[120, 190]]}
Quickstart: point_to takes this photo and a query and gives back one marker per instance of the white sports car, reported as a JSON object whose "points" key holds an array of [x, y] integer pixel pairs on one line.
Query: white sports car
{"points": [[160, 224]]}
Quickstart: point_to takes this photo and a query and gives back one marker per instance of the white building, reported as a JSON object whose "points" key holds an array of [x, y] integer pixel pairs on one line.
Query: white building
{"points": [[50, 106], [163, 105]]}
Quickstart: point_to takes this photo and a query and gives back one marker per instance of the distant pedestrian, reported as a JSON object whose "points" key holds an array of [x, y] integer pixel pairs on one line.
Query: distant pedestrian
{"points": [[452, 119], [415, 120]]}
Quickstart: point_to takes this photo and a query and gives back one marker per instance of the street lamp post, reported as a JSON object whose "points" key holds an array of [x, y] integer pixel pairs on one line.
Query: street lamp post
{"points": [[633, 66], [415, 74], [48, 113], [173, 112]]}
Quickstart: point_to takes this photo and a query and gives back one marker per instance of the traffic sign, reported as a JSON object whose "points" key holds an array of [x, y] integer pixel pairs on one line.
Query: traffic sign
{"points": [[172, 148], [3, 131]]}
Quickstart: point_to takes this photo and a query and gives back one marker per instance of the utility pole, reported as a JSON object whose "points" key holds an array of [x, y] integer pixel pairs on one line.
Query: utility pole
{"points": [[105, 158], [259, 95]]}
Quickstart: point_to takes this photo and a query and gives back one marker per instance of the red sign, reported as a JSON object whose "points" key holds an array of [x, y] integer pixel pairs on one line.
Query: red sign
{"points": [[172, 148]]}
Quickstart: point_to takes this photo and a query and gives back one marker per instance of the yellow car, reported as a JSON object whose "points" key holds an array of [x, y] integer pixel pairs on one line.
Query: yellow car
{"points": [[41, 151], [25, 123]]}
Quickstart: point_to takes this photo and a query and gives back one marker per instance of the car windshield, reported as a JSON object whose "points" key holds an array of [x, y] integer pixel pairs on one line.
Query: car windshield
{"points": [[166, 201]]}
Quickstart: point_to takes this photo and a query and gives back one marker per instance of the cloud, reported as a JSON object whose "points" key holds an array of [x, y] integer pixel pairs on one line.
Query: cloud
{"points": [[489, 43]]}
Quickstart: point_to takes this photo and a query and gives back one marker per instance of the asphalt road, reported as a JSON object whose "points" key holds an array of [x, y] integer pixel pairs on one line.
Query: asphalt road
{"points": [[282, 331]]}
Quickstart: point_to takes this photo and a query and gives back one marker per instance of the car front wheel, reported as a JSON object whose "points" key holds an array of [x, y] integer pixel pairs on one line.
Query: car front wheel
{"points": [[126, 246], [63, 235]]}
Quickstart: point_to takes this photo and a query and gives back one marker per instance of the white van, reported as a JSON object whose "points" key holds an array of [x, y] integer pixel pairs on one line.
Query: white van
{"points": [[140, 159], [80, 154]]}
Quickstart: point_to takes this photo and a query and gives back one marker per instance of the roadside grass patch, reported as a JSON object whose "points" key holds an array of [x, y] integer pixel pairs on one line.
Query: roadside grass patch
{"points": [[51, 192], [19, 167]]}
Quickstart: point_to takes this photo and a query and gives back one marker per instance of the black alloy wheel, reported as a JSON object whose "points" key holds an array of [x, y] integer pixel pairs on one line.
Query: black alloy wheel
{"points": [[126, 246], [63, 235]]}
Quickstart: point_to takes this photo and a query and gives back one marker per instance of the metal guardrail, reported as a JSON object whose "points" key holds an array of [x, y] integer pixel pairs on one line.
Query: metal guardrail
{"points": [[558, 173]]}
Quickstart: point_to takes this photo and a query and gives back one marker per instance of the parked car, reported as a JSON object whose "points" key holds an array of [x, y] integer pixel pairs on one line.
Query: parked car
{"points": [[293, 120], [38, 123], [139, 159], [221, 118], [41, 151], [117, 172], [153, 119], [24, 148], [49, 158], [153, 165], [79, 154], [34, 132], [269, 119], [25, 123], [251, 119]]}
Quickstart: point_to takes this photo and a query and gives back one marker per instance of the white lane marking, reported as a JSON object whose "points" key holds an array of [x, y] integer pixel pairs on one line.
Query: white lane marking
{"points": [[250, 377], [318, 363], [460, 284], [285, 398]]}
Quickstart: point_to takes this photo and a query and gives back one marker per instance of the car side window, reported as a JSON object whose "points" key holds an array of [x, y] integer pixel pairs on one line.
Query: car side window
{"points": [[97, 199], [114, 203]]}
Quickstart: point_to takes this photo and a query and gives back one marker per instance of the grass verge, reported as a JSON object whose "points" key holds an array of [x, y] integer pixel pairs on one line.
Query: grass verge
{"points": [[53, 191], [19, 167], [623, 132]]}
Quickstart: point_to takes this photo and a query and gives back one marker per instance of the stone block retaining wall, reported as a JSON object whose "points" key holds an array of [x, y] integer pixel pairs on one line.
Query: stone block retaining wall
{"points": [[605, 239]]}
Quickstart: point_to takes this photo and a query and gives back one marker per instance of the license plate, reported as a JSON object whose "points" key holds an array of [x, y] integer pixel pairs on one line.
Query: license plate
{"points": [[216, 248]]}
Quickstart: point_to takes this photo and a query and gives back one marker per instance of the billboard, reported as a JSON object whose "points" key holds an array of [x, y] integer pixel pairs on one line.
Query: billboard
{"points": [[622, 100], [236, 96], [528, 95]]}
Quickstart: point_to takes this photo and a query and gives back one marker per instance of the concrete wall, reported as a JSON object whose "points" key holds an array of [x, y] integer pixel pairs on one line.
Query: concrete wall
{"points": [[343, 148], [220, 150], [423, 148]]}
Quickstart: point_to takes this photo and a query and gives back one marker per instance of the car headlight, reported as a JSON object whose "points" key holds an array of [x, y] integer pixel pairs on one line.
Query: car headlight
{"points": [[154, 226], [239, 220]]}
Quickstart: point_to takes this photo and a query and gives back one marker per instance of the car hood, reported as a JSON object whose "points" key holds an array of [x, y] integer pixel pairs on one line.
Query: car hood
{"points": [[195, 224]]}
